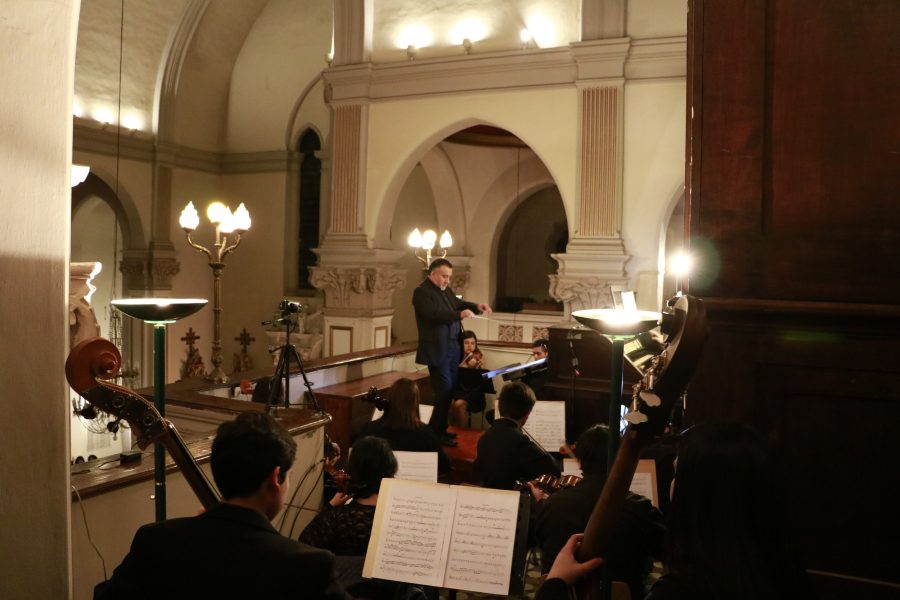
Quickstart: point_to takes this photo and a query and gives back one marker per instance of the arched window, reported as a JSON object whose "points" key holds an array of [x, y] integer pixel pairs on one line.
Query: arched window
{"points": [[310, 185]]}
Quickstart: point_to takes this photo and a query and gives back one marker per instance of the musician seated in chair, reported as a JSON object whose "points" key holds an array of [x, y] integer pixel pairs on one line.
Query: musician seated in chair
{"points": [[401, 427], [344, 526], [639, 532], [468, 398], [231, 550], [505, 453]]}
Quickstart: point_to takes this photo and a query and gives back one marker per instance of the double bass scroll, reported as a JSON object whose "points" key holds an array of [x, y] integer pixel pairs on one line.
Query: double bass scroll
{"points": [[92, 361]]}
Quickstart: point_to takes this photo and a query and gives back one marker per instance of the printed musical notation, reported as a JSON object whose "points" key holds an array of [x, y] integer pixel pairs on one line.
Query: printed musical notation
{"points": [[547, 424], [443, 536], [417, 466]]}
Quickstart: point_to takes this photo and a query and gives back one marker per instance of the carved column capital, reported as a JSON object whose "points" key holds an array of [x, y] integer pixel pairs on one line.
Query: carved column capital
{"points": [[358, 288], [579, 292], [151, 269]]}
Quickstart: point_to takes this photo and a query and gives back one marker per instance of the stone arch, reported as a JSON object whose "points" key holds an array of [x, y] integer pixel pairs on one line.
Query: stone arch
{"points": [[122, 205], [448, 200]]}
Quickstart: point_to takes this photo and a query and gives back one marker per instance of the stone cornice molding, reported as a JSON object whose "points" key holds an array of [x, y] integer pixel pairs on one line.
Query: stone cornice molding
{"points": [[618, 59], [89, 136]]}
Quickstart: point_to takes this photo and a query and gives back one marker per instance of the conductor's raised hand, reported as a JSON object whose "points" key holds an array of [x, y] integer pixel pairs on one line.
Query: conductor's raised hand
{"points": [[485, 309]]}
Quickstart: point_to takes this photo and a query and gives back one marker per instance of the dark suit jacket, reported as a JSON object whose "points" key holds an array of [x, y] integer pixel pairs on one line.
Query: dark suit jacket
{"points": [[420, 439], [227, 552], [506, 455], [436, 312]]}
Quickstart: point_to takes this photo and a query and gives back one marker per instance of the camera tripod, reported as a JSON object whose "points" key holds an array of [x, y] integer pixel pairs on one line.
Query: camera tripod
{"points": [[287, 352]]}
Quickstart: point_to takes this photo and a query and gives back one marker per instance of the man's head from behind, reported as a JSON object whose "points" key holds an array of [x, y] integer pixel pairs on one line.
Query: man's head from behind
{"points": [[247, 451], [590, 449], [439, 272], [516, 401]]}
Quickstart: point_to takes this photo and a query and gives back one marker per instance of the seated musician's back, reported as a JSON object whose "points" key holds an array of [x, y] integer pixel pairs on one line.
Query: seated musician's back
{"points": [[505, 453], [231, 550]]}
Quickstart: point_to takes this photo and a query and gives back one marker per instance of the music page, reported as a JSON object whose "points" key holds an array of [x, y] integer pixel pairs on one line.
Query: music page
{"points": [[417, 466], [547, 424], [481, 546]]}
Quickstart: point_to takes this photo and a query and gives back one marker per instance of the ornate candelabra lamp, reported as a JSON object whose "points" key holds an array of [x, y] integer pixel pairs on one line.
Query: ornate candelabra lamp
{"points": [[424, 242], [226, 223]]}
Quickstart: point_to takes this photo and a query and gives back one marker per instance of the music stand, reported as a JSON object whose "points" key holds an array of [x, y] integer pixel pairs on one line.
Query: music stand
{"points": [[159, 312]]}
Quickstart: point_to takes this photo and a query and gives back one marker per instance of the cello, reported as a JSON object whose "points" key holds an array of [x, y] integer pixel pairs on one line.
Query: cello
{"points": [[662, 383]]}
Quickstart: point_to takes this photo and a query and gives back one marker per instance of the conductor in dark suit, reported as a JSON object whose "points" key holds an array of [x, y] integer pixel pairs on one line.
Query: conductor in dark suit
{"points": [[231, 550], [506, 454], [438, 316]]}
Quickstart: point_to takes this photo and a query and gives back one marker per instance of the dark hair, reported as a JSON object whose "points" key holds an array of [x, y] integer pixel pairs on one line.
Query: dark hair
{"points": [[439, 262], [402, 410], [542, 343], [727, 526], [371, 460], [468, 333], [246, 451], [590, 449], [516, 400]]}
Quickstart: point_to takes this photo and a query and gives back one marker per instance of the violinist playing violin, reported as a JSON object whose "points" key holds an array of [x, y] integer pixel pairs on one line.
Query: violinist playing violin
{"points": [[639, 533]]}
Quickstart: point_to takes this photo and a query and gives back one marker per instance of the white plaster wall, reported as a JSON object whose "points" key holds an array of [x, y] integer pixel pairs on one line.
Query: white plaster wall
{"points": [[656, 18], [554, 23], [653, 176], [401, 132], [283, 52], [37, 57], [253, 283], [146, 30], [415, 208]]}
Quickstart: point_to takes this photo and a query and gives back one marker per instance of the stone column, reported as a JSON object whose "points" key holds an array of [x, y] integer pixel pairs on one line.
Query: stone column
{"points": [[358, 285], [595, 256]]}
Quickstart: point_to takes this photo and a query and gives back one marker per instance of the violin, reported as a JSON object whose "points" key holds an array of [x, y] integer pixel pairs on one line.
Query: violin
{"points": [[374, 397], [332, 455], [552, 483]]}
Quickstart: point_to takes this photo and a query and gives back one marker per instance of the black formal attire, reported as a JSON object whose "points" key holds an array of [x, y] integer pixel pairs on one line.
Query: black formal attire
{"points": [[344, 530], [420, 439], [638, 532], [506, 455], [438, 322], [227, 552]]}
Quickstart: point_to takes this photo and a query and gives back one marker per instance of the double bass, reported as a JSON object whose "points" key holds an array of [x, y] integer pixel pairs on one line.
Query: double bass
{"points": [[89, 365], [662, 383]]}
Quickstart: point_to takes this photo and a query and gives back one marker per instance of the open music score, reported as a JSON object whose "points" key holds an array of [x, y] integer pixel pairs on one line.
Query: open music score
{"points": [[425, 411], [456, 537], [417, 466], [547, 424]]}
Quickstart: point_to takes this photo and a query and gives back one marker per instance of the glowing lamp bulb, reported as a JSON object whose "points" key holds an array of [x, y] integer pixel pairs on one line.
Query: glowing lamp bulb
{"points": [[415, 238], [525, 36], [242, 218], [217, 212], [446, 241], [681, 264], [189, 219], [428, 239]]}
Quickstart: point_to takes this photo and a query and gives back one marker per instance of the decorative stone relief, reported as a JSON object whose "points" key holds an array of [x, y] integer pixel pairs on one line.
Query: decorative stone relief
{"points": [[82, 320], [579, 293], [540, 332], [460, 280], [345, 287], [148, 270], [510, 333]]}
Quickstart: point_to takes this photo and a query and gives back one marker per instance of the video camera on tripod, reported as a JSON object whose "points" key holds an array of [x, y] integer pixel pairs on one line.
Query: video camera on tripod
{"points": [[287, 308]]}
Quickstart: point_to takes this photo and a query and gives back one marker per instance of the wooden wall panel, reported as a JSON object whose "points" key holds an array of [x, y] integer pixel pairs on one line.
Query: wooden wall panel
{"points": [[793, 207]]}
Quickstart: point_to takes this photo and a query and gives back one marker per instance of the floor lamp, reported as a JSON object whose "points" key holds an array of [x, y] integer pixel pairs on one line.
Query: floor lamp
{"points": [[618, 326], [159, 312]]}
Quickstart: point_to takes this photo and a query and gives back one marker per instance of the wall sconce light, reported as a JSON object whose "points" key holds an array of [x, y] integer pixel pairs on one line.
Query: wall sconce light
{"points": [[226, 223], [680, 266], [526, 38], [467, 45], [419, 241], [411, 52], [329, 58]]}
